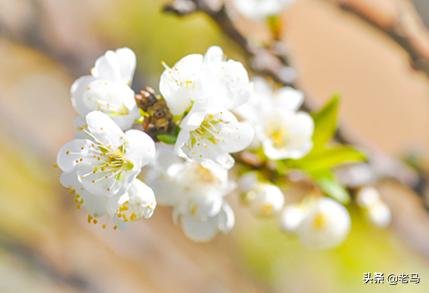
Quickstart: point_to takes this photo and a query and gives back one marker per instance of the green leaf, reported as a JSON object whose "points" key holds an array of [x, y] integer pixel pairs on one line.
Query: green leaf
{"points": [[329, 185], [167, 138], [330, 158], [325, 121]]}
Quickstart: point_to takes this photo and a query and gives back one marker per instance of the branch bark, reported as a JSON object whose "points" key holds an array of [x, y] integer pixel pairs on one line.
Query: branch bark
{"points": [[404, 26]]}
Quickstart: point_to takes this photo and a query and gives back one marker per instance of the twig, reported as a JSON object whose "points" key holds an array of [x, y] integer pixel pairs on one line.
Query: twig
{"points": [[405, 28], [275, 63]]}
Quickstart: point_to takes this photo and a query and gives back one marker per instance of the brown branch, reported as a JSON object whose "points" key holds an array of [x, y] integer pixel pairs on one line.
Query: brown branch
{"points": [[404, 27], [274, 63]]}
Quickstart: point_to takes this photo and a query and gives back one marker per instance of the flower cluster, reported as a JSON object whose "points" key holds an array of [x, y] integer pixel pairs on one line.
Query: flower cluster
{"points": [[195, 192], [208, 118], [100, 167], [281, 129], [201, 91]]}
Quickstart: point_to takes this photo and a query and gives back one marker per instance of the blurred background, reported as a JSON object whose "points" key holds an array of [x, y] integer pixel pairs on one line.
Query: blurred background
{"points": [[46, 244]]}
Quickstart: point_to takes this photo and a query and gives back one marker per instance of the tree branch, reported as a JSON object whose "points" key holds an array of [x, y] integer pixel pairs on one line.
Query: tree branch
{"points": [[276, 63], [404, 27]]}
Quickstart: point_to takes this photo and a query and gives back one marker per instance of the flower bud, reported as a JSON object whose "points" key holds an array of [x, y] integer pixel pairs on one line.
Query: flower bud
{"points": [[368, 198]]}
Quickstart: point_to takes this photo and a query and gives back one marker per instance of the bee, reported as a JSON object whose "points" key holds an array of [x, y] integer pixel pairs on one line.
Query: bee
{"points": [[157, 117]]}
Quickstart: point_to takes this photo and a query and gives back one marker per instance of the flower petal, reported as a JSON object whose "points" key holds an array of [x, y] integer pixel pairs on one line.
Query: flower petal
{"points": [[180, 85], [289, 99], [105, 183], [72, 154], [199, 230], [127, 64], [104, 130], [226, 219], [141, 199], [226, 83], [78, 90], [116, 66], [140, 148]]}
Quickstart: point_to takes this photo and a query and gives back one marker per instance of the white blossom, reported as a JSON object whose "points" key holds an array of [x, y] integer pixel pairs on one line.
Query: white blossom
{"points": [[117, 66], [196, 193], [319, 223], [209, 136], [205, 89], [377, 211], [208, 80], [263, 198], [292, 217], [261, 9], [202, 230], [107, 162], [107, 89], [138, 202], [280, 128]]}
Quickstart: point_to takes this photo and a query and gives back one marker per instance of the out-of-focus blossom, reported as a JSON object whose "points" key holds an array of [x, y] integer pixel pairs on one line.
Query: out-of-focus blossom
{"points": [[108, 161], [261, 9], [377, 211], [263, 198], [319, 223], [196, 193], [279, 127], [107, 89]]}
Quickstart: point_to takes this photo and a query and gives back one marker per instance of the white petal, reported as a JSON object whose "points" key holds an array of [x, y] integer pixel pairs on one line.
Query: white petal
{"points": [[204, 204], [71, 154], [104, 130], [112, 98], [126, 121], [140, 148], [141, 199], [116, 66], [105, 183], [226, 83], [166, 189], [98, 206], [236, 136], [380, 215], [80, 126], [265, 199], [291, 218], [78, 90], [127, 64], [260, 10], [106, 67], [225, 161], [226, 219], [214, 54], [199, 230], [299, 128], [367, 197], [69, 180], [326, 224], [165, 156], [180, 85], [289, 99], [194, 118], [248, 181]]}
